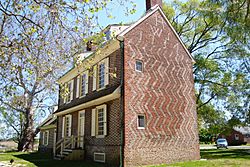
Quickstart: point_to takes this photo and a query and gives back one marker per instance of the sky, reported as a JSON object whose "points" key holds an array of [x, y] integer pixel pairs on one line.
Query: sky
{"points": [[118, 13]]}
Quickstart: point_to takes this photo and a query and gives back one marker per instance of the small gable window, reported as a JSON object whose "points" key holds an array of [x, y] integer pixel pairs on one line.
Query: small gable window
{"points": [[138, 66], [141, 121]]}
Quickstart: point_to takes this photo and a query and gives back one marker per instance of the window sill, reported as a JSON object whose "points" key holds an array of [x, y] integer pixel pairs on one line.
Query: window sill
{"points": [[140, 127], [100, 136], [101, 88], [138, 71], [83, 96]]}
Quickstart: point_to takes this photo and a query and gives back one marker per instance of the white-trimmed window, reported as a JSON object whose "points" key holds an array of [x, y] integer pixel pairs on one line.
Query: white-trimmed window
{"points": [[141, 122], [99, 121], [83, 86], [236, 136], [66, 125], [138, 66], [46, 138], [101, 74], [68, 91]]}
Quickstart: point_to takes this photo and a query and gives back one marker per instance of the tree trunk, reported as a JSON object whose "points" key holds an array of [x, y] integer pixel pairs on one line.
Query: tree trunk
{"points": [[26, 141]]}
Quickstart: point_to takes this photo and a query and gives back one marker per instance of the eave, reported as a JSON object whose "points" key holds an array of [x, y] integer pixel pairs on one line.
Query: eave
{"points": [[114, 95]]}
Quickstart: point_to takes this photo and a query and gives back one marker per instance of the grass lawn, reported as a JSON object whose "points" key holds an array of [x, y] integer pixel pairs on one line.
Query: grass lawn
{"points": [[216, 158], [41, 160]]}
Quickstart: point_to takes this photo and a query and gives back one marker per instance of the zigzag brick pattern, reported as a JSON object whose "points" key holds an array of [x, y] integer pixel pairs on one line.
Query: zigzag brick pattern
{"points": [[164, 92]]}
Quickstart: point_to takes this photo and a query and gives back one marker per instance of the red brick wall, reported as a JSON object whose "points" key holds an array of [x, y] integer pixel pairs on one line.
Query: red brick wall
{"points": [[110, 144], [231, 138], [164, 92]]}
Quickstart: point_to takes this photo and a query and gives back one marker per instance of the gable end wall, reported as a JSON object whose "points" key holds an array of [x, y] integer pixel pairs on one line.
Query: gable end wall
{"points": [[164, 92]]}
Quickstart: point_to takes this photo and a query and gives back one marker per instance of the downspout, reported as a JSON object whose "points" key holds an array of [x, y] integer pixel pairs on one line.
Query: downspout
{"points": [[122, 103]]}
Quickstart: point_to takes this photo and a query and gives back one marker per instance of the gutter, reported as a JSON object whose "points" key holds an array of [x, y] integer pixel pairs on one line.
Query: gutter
{"points": [[122, 102]]}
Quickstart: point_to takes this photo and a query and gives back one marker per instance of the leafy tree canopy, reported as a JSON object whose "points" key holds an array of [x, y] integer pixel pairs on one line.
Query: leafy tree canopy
{"points": [[216, 33], [38, 40]]}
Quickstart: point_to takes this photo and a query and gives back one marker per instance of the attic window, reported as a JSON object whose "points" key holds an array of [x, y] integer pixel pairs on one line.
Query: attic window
{"points": [[141, 121], [138, 66]]}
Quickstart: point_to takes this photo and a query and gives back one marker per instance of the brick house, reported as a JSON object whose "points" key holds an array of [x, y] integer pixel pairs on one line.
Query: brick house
{"points": [[135, 104], [237, 136]]}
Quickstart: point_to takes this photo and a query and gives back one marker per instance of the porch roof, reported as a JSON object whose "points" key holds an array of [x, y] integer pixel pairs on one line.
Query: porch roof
{"points": [[96, 99]]}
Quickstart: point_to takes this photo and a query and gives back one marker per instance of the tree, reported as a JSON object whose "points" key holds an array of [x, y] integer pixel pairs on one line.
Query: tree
{"points": [[216, 33], [38, 40]]}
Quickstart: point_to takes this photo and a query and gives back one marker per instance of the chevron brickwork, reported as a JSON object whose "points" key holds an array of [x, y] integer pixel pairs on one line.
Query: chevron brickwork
{"points": [[163, 92]]}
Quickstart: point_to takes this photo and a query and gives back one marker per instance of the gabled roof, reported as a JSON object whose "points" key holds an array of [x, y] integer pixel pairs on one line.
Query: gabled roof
{"points": [[244, 130], [148, 14], [48, 121]]}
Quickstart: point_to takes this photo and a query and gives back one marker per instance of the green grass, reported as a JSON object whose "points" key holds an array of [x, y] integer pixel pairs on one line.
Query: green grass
{"points": [[42, 160], [214, 158], [218, 158]]}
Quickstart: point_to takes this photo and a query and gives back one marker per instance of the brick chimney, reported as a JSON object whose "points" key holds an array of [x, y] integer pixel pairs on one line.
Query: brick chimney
{"points": [[151, 3], [89, 46]]}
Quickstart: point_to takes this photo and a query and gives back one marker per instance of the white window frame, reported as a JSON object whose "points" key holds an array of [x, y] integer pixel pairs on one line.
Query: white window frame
{"points": [[86, 73], [69, 97], [98, 75], [102, 122], [78, 86], [236, 136], [64, 93], [139, 127], [69, 116], [81, 143], [94, 77], [96, 153], [136, 65], [94, 124], [79, 117], [46, 142]]}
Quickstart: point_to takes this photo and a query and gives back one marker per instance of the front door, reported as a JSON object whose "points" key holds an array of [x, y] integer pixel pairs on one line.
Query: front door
{"points": [[81, 123]]}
